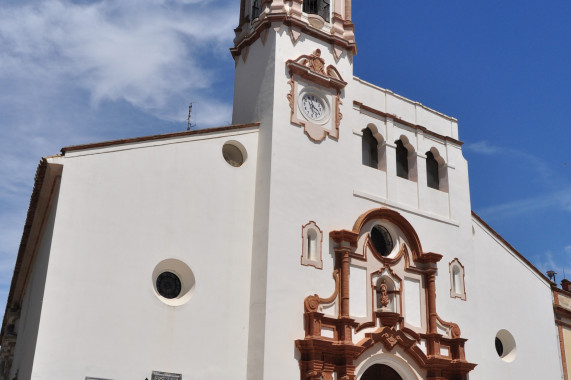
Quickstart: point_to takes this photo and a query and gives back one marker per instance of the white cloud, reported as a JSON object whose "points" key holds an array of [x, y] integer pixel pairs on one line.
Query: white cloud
{"points": [[556, 190], [62, 60], [526, 159], [483, 147], [561, 263], [560, 199], [145, 53]]}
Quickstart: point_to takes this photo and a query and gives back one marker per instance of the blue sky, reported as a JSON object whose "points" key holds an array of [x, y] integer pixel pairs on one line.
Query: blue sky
{"points": [[84, 71]]}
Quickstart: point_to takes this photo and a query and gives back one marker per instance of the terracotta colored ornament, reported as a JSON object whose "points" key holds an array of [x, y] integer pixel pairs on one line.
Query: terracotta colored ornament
{"points": [[384, 294]]}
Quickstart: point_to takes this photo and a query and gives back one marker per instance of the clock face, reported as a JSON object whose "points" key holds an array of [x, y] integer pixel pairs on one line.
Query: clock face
{"points": [[313, 107]]}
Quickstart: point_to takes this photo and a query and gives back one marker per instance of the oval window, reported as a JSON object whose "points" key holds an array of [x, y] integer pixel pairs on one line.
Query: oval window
{"points": [[234, 154], [173, 282], [505, 345], [381, 239]]}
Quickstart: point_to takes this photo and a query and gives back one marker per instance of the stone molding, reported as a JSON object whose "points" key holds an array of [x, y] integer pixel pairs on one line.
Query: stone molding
{"points": [[321, 357]]}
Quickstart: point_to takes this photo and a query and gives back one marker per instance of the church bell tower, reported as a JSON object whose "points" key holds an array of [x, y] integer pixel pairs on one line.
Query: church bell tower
{"points": [[307, 45]]}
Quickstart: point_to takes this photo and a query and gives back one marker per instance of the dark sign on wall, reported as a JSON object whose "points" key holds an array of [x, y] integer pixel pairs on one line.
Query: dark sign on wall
{"points": [[166, 376]]}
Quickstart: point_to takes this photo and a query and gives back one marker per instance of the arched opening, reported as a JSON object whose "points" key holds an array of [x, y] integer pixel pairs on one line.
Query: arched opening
{"points": [[311, 239], [457, 280], [312, 245], [457, 286], [436, 170], [402, 160], [380, 372], [432, 177], [370, 149]]}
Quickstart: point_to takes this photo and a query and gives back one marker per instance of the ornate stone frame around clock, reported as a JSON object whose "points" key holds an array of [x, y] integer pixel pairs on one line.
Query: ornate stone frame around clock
{"points": [[312, 69], [321, 357]]}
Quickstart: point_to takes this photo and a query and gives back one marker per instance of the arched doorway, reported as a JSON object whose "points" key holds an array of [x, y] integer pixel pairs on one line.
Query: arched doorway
{"points": [[380, 372]]}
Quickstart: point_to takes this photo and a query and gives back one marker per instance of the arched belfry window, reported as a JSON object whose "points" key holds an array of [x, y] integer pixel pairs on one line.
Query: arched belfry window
{"points": [[370, 149], [317, 7], [402, 160], [436, 171], [432, 176]]}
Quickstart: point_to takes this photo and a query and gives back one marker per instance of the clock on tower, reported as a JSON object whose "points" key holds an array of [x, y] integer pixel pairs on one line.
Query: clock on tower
{"points": [[315, 96]]}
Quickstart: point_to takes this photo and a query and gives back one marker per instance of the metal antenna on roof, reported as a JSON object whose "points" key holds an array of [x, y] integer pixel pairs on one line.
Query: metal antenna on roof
{"points": [[188, 122], [551, 274]]}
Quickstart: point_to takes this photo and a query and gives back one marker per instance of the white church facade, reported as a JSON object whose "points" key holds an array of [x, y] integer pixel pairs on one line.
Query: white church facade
{"points": [[327, 234]]}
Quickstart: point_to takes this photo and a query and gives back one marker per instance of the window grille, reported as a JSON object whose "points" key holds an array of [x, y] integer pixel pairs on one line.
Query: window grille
{"points": [[318, 7], [256, 9]]}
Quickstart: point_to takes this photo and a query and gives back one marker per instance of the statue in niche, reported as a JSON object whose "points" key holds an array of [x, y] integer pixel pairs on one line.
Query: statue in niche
{"points": [[384, 294]]}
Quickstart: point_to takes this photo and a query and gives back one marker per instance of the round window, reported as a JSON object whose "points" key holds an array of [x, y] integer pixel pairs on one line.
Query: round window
{"points": [[234, 153], [173, 282], [505, 345], [381, 239], [499, 347], [168, 285]]}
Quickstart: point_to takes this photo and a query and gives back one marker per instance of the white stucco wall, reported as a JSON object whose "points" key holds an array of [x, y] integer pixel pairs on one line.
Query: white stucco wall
{"points": [[508, 294], [121, 211]]}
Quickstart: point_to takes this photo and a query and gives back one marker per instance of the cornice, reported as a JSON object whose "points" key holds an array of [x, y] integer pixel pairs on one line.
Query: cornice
{"points": [[561, 311], [424, 129], [64, 150], [241, 42]]}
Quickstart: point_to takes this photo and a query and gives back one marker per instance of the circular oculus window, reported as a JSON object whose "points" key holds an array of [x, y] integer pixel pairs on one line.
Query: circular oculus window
{"points": [[382, 240], [505, 345], [234, 153], [173, 282], [168, 285]]}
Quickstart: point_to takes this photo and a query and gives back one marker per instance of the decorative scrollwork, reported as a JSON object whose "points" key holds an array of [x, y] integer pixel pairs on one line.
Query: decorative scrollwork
{"points": [[455, 331], [311, 303], [338, 114], [290, 95], [314, 62], [453, 328], [390, 338]]}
